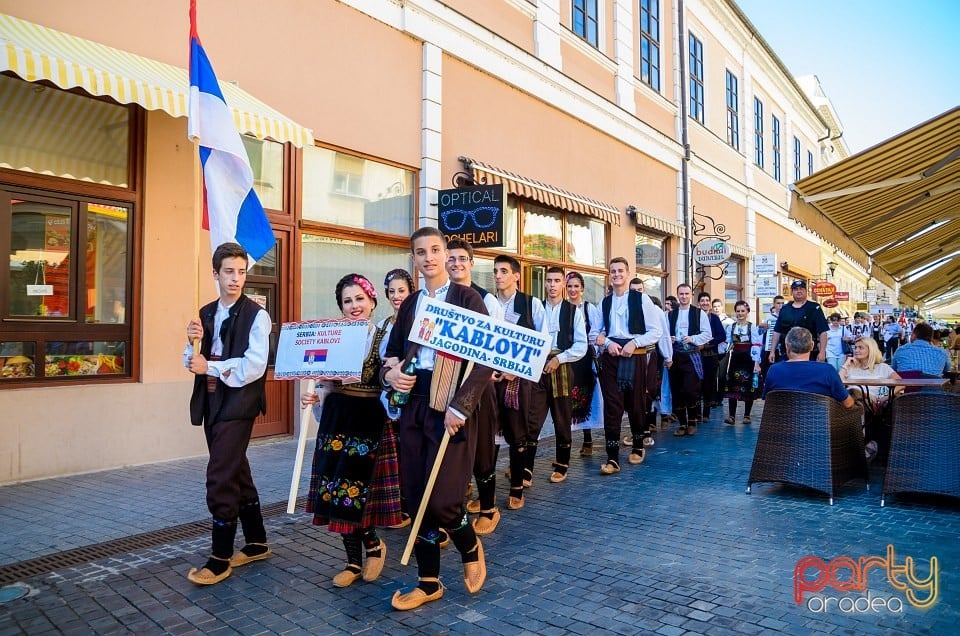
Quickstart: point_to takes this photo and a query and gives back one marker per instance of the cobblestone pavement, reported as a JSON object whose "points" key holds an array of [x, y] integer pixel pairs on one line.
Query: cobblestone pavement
{"points": [[672, 546]]}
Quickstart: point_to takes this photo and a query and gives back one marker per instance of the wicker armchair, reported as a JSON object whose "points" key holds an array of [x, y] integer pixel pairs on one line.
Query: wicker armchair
{"points": [[808, 440], [925, 445]]}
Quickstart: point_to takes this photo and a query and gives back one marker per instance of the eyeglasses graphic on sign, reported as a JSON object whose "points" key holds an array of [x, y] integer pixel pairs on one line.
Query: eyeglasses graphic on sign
{"points": [[483, 217]]}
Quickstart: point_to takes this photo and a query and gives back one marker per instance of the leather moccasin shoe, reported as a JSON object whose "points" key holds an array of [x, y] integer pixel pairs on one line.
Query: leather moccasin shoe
{"points": [[205, 576], [485, 525], [691, 429], [242, 558], [680, 432], [637, 457], [373, 566], [473, 506], [415, 597], [610, 468], [515, 503], [475, 573], [346, 578], [556, 477]]}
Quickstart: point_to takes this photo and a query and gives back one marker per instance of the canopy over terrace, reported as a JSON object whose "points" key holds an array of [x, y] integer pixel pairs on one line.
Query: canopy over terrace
{"points": [[899, 202]]}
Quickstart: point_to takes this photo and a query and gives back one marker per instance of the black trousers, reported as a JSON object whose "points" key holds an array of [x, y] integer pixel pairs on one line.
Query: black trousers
{"points": [[708, 386], [560, 409], [487, 420], [229, 482], [521, 427], [421, 430], [635, 400]]}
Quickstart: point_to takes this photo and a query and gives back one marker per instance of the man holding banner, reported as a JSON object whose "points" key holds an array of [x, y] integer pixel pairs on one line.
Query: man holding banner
{"points": [[439, 403], [628, 374], [460, 269], [520, 400]]}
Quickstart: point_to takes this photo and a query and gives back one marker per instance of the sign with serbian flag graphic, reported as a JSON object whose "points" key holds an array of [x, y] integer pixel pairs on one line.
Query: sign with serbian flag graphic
{"points": [[231, 209], [321, 350]]}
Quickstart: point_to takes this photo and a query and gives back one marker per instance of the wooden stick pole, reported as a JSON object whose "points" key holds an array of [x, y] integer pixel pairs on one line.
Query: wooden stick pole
{"points": [[301, 446], [428, 489]]}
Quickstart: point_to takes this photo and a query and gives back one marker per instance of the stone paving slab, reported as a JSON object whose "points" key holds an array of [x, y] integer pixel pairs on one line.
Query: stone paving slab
{"points": [[672, 546]]}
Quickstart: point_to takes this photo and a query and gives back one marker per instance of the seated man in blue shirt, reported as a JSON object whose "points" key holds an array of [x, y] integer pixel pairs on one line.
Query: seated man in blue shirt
{"points": [[799, 373], [920, 355]]}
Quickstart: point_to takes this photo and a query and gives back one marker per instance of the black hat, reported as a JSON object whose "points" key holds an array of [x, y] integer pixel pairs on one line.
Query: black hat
{"points": [[798, 283]]}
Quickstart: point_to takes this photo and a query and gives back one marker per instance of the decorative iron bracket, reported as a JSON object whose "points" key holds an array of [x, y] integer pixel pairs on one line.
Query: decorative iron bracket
{"points": [[701, 230]]}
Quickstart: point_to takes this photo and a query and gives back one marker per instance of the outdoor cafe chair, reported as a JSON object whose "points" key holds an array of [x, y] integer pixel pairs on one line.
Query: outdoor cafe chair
{"points": [[925, 447], [808, 440]]}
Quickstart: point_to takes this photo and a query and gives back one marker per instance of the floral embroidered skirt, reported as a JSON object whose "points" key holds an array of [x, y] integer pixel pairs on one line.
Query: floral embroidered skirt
{"points": [[355, 481], [740, 376], [584, 384]]}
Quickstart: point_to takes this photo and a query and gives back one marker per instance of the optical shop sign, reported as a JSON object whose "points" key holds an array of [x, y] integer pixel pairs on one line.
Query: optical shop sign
{"points": [[321, 350], [473, 214], [496, 344]]}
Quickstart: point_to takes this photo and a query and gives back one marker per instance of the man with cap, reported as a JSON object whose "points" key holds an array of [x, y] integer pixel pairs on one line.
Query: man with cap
{"points": [[801, 313]]}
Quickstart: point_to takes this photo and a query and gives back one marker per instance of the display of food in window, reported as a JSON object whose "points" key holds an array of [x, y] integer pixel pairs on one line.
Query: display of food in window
{"points": [[59, 365], [16, 367]]}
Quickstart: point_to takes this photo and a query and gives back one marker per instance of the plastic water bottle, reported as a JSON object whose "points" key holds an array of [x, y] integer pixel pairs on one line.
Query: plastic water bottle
{"points": [[756, 381], [399, 398]]}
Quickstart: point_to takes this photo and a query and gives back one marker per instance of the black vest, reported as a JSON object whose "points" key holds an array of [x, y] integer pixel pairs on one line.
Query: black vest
{"points": [[523, 307], [565, 333], [228, 403], [480, 290], [693, 321], [636, 323]]}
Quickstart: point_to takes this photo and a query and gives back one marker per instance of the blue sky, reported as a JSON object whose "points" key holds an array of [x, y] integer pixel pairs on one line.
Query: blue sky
{"points": [[886, 65]]}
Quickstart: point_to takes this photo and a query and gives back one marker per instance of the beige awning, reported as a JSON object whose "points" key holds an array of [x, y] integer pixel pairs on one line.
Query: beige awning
{"points": [[541, 192], [34, 52], [899, 201]]}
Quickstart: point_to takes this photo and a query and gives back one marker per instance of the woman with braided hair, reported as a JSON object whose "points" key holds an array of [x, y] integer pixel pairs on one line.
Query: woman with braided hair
{"points": [[355, 484]]}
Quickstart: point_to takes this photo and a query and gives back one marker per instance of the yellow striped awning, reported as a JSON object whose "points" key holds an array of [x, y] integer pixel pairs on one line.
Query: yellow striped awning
{"points": [[34, 52]]}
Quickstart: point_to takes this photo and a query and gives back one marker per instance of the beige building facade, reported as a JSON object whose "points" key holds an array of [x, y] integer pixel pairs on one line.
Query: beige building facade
{"points": [[581, 109]]}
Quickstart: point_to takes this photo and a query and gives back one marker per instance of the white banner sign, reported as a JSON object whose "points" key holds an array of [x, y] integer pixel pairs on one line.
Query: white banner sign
{"points": [[886, 308], [767, 286], [321, 350], [39, 290], [496, 344], [765, 265]]}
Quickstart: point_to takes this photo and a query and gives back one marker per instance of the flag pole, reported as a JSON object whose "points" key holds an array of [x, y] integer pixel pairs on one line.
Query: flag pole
{"points": [[428, 489], [301, 447]]}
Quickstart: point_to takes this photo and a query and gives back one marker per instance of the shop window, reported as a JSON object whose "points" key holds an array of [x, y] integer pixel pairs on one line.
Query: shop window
{"points": [[542, 233], [47, 131], [67, 276], [586, 243], [350, 191], [266, 160], [733, 285], [650, 262]]}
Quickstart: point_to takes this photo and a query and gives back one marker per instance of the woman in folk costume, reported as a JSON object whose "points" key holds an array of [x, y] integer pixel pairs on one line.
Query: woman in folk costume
{"points": [[745, 344], [355, 484], [585, 393], [397, 285]]}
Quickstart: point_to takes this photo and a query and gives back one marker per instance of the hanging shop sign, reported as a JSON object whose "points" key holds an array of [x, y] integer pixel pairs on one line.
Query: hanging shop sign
{"points": [[830, 303], [842, 295], [824, 289], [473, 214], [711, 252]]}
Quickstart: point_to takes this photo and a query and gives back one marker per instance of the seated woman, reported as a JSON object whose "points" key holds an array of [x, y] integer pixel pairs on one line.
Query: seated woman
{"points": [[799, 373], [867, 364]]}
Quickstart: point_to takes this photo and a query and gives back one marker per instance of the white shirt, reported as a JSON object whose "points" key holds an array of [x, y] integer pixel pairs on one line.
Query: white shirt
{"points": [[579, 347], [665, 344], [619, 314], [238, 372], [427, 356], [506, 306], [835, 338], [768, 337], [739, 333], [683, 327]]}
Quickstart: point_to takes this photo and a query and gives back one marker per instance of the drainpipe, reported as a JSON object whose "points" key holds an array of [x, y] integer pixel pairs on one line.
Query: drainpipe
{"points": [[685, 141]]}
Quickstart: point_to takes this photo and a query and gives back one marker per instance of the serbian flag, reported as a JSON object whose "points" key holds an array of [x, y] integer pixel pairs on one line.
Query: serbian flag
{"points": [[231, 209], [315, 355]]}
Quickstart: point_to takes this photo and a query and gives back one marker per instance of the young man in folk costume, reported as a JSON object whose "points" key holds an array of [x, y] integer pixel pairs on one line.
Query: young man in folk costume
{"points": [[438, 402], [460, 268], [568, 338], [690, 330], [228, 394], [517, 398], [713, 359], [628, 373]]}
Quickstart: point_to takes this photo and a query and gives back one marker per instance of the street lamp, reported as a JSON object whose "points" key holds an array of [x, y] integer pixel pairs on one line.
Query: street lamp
{"points": [[832, 266]]}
